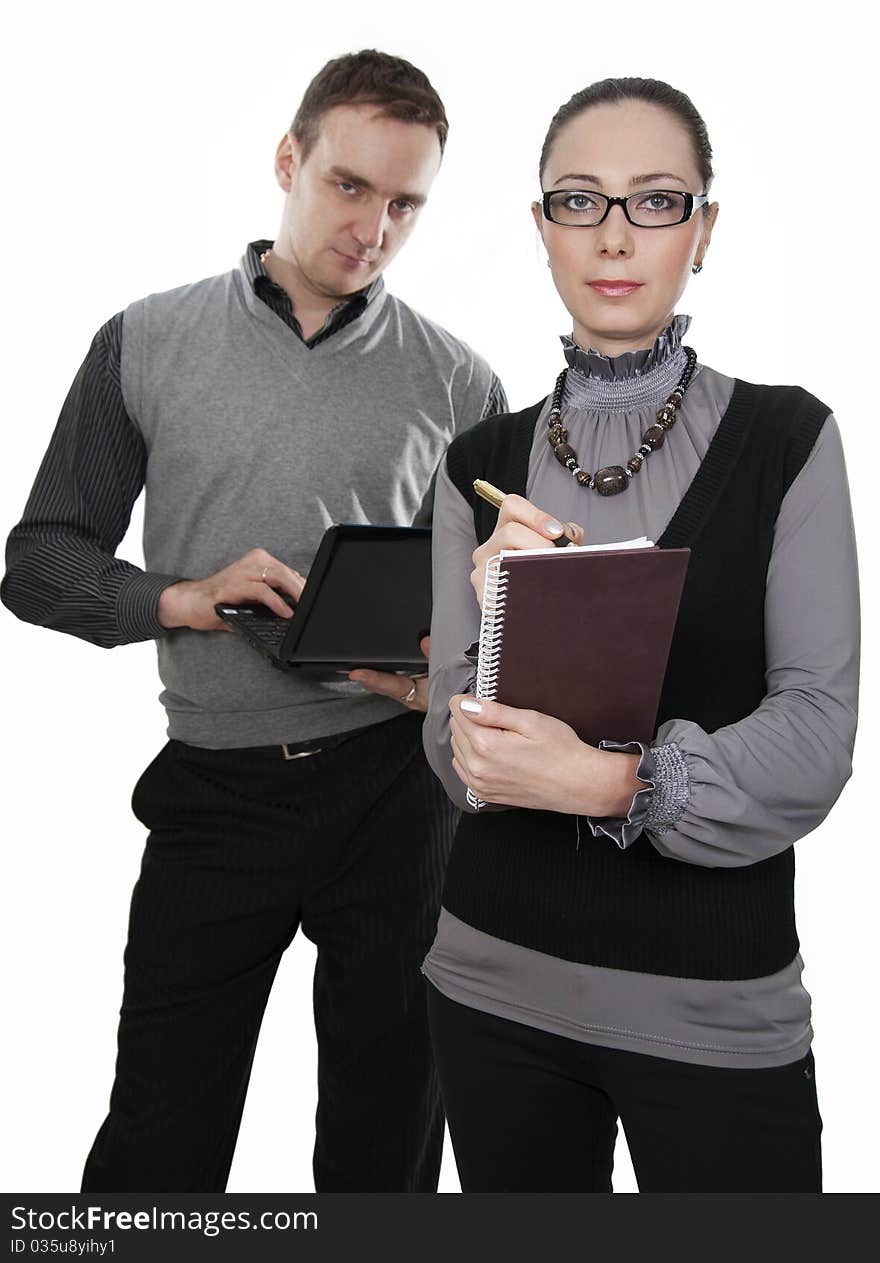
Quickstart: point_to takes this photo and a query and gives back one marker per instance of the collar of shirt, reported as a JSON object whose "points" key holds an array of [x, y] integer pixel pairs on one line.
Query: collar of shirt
{"points": [[615, 368], [278, 300]]}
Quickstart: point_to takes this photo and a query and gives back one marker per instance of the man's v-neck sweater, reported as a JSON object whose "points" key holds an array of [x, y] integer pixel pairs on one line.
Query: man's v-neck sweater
{"points": [[255, 439]]}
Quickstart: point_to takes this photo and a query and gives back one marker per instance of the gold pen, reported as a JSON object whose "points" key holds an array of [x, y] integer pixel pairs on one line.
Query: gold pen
{"points": [[496, 497]]}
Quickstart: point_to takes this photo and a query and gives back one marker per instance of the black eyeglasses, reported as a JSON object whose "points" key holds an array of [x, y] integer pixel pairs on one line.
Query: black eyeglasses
{"points": [[654, 208]]}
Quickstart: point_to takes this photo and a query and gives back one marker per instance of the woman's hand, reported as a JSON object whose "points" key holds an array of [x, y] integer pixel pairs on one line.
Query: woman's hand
{"points": [[521, 524], [525, 759]]}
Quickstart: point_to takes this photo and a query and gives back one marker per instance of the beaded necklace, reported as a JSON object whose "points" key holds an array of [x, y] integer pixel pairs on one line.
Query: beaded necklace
{"points": [[613, 479]]}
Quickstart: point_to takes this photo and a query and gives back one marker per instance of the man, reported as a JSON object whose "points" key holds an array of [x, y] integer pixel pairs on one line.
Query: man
{"points": [[258, 407]]}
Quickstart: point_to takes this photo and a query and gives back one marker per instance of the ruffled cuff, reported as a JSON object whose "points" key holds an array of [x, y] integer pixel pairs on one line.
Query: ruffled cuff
{"points": [[659, 805], [625, 829]]}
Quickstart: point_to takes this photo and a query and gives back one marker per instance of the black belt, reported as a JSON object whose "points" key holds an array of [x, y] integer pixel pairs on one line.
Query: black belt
{"points": [[290, 750], [301, 749]]}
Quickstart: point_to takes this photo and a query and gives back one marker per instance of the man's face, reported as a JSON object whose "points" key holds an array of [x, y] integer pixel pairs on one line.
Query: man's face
{"points": [[354, 200]]}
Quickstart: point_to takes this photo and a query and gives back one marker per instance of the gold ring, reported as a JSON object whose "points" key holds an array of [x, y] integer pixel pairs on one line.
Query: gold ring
{"points": [[263, 575], [411, 694]]}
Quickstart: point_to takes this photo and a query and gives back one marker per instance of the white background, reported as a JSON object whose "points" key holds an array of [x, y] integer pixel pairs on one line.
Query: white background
{"points": [[137, 156]]}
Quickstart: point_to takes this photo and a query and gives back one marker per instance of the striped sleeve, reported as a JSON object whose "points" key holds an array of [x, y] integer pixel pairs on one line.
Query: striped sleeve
{"points": [[61, 568]]}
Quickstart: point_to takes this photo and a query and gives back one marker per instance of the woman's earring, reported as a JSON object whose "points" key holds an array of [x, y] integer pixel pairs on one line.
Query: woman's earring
{"points": [[698, 267]]}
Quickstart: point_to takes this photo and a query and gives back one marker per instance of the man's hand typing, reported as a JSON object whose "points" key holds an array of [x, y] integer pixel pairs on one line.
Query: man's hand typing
{"points": [[257, 577]]}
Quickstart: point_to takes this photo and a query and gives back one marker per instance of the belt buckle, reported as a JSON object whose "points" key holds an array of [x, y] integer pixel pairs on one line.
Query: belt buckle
{"points": [[297, 754]]}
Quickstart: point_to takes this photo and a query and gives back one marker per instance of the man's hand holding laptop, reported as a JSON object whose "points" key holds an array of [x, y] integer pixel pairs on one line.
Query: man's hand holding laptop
{"points": [[411, 690]]}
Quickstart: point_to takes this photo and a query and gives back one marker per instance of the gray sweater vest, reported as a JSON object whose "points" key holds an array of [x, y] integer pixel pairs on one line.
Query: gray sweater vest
{"points": [[255, 440]]}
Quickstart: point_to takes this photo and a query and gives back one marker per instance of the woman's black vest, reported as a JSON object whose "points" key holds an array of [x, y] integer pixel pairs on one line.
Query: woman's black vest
{"points": [[518, 874]]}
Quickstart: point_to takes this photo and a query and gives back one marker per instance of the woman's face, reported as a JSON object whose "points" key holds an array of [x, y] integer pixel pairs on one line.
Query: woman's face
{"points": [[619, 149]]}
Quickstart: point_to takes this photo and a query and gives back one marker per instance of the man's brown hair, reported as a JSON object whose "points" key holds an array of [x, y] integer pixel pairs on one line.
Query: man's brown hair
{"points": [[369, 78]]}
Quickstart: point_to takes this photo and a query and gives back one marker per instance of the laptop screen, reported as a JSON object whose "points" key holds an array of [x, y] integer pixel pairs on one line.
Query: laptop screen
{"points": [[373, 601]]}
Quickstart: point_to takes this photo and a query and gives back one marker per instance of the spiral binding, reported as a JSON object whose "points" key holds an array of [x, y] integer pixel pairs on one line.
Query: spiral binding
{"points": [[491, 635]]}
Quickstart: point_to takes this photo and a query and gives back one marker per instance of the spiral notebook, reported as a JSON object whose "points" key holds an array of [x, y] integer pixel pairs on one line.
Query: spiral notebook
{"points": [[581, 633]]}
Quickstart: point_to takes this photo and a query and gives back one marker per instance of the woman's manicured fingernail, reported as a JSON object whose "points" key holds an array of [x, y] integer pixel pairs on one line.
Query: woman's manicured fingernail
{"points": [[554, 527], [472, 707]]}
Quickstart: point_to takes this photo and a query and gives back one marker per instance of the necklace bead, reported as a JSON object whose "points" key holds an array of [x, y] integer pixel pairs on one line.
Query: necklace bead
{"points": [[612, 479]]}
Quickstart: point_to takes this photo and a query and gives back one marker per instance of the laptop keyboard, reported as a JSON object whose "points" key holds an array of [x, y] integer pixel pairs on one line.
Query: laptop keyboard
{"points": [[271, 630], [268, 629]]}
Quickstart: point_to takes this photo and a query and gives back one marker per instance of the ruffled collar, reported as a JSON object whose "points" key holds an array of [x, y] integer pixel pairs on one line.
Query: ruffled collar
{"points": [[593, 363], [635, 379]]}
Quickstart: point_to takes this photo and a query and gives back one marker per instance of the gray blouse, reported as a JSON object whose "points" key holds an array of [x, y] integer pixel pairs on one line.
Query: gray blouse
{"points": [[731, 797]]}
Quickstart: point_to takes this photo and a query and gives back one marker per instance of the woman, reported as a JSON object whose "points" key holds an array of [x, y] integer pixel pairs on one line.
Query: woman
{"points": [[619, 942]]}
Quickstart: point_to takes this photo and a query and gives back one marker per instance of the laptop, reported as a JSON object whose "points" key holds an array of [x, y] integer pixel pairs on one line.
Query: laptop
{"points": [[366, 603]]}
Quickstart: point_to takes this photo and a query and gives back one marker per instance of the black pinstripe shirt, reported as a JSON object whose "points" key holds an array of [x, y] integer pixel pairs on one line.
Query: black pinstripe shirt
{"points": [[61, 568]]}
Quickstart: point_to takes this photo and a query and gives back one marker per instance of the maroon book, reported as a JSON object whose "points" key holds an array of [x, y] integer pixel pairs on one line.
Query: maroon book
{"points": [[582, 635]]}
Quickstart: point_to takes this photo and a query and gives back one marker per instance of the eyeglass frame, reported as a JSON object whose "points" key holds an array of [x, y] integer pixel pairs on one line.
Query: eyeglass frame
{"points": [[692, 202]]}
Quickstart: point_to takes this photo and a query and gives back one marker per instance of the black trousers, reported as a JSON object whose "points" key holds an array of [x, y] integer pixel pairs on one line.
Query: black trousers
{"points": [[244, 848], [533, 1112]]}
